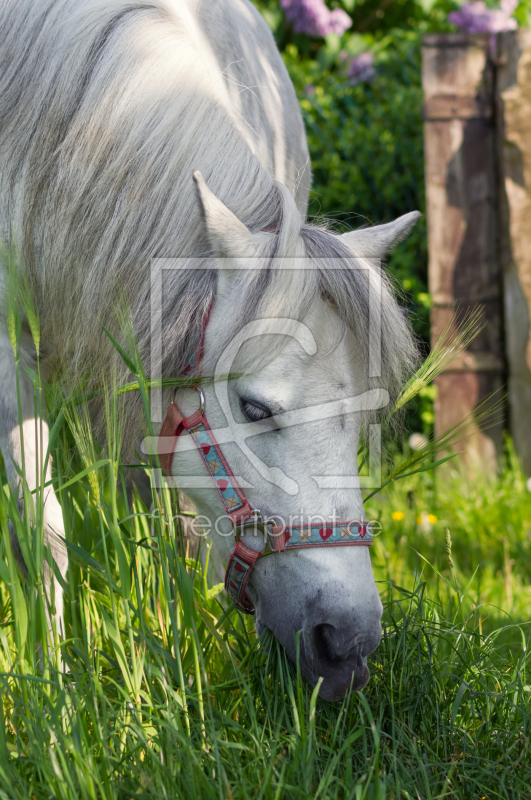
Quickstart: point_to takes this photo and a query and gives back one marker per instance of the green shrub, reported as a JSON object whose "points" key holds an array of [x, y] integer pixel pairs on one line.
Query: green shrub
{"points": [[366, 146], [366, 141]]}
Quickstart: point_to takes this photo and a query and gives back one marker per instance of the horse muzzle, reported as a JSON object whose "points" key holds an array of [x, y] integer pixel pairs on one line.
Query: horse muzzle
{"points": [[330, 625]]}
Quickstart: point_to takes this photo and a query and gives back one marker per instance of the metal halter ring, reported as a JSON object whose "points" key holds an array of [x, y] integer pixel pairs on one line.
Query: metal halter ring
{"points": [[256, 522], [201, 397]]}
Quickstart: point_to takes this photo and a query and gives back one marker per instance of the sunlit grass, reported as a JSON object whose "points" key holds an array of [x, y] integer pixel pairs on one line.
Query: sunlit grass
{"points": [[489, 517], [168, 693]]}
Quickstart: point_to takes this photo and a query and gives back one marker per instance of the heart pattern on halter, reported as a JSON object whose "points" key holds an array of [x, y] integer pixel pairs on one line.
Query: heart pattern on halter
{"points": [[221, 475], [325, 535]]}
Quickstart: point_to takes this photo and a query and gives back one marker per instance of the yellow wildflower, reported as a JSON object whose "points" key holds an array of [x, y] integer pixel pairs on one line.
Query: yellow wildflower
{"points": [[398, 516], [426, 519]]}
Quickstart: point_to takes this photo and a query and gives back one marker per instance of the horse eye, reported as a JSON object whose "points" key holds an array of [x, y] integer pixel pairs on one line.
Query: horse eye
{"points": [[254, 412]]}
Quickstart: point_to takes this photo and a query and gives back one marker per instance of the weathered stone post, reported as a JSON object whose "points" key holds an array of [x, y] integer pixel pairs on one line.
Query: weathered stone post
{"points": [[463, 216]]}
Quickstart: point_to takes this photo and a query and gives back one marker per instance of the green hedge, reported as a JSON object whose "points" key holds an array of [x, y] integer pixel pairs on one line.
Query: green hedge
{"points": [[366, 146], [366, 141]]}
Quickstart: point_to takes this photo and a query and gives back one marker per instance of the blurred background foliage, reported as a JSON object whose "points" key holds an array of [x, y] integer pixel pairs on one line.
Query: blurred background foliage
{"points": [[361, 98]]}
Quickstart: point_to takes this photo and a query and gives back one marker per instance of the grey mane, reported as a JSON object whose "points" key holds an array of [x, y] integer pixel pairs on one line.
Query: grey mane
{"points": [[106, 110]]}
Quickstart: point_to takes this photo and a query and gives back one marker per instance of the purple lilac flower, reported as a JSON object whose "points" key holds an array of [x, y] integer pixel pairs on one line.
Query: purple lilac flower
{"points": [[314, 18], [361, 68], [477, 18]]}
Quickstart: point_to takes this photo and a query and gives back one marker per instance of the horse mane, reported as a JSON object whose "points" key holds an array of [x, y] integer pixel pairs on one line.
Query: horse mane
{"points": [[106, 110]]}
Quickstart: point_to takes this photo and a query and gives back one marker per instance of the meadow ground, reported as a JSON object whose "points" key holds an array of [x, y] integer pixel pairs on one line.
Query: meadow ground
{"points": [[169, 693]]}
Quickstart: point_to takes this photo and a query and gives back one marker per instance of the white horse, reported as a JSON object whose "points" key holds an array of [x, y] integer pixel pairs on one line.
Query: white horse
{"points": [[107, 108]]}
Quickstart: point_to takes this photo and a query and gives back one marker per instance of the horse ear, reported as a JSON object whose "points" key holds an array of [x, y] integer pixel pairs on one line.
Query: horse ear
{"points": [[229, 237], [375, 242]]}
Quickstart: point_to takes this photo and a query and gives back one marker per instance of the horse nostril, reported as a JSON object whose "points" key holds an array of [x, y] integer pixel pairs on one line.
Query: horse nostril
{"points": [[329, 644]]}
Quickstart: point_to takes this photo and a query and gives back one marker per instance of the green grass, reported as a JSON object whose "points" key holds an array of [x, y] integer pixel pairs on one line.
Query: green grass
{"points": [[489, 518], [169, 693]]}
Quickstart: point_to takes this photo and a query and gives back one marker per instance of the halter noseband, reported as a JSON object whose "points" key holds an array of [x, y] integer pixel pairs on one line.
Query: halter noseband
{"points": [[277, 538]]}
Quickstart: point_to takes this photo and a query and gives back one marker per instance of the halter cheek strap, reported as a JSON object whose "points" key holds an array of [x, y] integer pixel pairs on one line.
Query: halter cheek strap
{"points": [[245, 519], [225, 484]]}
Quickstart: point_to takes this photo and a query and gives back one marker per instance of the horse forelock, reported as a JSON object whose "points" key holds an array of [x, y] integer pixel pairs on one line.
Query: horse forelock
{"points": [[300, 263]]}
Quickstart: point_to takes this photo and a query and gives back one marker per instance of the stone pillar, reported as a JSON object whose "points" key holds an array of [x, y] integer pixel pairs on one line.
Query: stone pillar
{"points": [[514, 158], [462, 217]]}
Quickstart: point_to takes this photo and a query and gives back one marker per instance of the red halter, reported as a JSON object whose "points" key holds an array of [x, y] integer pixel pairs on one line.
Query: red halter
{"points": [[244, 518]]}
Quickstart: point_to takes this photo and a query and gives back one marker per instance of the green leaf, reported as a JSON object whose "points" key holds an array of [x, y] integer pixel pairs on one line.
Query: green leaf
{"points": [[103, 463], [18, 327], [56, 427], [122, 352], [4, 573], [426, 467], [87, 542], [81, 553], [119, 651], [457, 702], [214, 631], [123, 563], [33, 375], [214, 590], [186, 592], [21, 614]]}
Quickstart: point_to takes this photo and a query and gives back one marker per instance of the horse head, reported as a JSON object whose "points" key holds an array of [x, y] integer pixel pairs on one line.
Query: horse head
{"points": [[306, 345]]}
